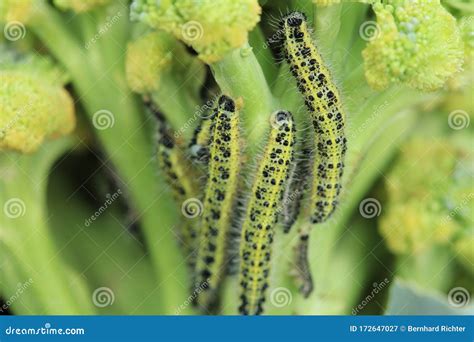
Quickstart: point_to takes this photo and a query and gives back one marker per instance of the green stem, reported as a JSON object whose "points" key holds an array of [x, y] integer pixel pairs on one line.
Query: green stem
{"points": [[130, 148], [240, 75], [26, 234], [263, 53], [178, 105]]}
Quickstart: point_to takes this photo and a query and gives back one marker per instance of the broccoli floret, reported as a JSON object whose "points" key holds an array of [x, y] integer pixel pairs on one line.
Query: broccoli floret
{"points": [[33, 103], [417, 43], [213, 28], [425, 189], [147, 59]]}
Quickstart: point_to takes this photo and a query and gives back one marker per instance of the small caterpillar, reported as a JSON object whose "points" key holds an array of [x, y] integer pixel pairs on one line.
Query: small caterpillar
{"points": [[179, 175], [199, 145], [302, 266], [323, 102], [219, 201], [261, 214]]}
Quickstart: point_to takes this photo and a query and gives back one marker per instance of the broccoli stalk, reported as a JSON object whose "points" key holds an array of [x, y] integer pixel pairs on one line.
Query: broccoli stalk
{"points": [[98, 78], [34, 107], [26, 238]]}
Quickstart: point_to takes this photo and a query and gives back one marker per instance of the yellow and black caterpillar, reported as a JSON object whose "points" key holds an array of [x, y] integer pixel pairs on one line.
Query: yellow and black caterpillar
{"points": [[219, 202], [323, 101], [199, 145], [261, 213], [179, 175]]}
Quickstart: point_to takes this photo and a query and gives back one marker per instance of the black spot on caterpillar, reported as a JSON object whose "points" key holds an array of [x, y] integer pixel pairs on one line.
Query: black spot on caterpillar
{"points": [[179, 176], [199, 145], [296, 186], [219, 201], [261, 214], [324, 104]]}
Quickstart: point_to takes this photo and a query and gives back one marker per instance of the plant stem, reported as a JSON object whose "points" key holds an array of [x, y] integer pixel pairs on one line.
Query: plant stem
{"points": [[130, 148], [26, 234], [238, 74]]}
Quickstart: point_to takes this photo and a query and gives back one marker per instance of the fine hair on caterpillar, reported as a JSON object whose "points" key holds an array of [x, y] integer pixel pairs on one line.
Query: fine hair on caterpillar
{"points": [[219, 200], [261, 215], [180, 177], [323, 102]]}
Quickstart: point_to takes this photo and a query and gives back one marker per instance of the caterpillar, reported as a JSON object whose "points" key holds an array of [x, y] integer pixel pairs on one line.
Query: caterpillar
{"points": [[261, 214], [199, 145], [302, 266], [219, 200], [323, 101], [179, 175]]}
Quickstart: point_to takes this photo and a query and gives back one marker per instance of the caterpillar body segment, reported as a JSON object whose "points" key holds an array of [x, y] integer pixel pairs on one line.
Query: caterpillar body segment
{"points": [[296, 187], [199, 145], [179, 175], [261, 214], [323, 101], [302, 266], [219, 201]]}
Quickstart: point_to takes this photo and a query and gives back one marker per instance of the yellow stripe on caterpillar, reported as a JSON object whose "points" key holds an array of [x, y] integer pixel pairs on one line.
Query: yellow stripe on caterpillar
{"points": [[324, 104], [261, 213], [199, 145], [219, 201], [180, 176]]}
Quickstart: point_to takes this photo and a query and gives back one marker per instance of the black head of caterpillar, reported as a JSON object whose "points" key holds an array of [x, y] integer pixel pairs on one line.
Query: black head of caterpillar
{"points": [[323, 102], [293, 19], [262, 214], [219, 200]]}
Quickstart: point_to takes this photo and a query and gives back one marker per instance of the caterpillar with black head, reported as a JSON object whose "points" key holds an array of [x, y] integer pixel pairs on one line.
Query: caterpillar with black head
{"points": [[199, 145], [323, 101], [261, 213], [179, 175], [219, 200]]}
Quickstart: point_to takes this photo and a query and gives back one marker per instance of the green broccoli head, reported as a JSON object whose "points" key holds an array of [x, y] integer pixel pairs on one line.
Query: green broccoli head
{"points": [[212, 27], [148, 58], [33, 103], [155, 57], [428, 193], [417, 43]]}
